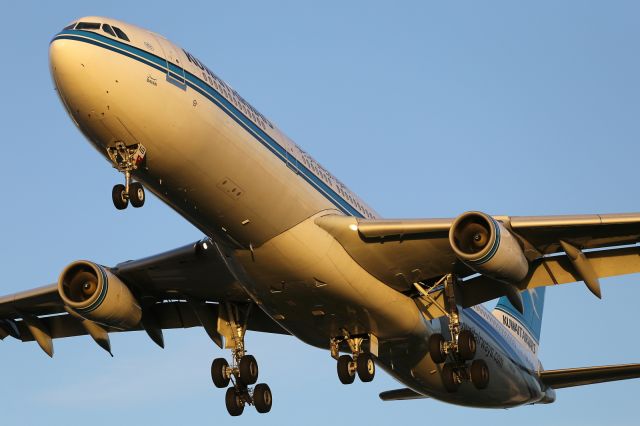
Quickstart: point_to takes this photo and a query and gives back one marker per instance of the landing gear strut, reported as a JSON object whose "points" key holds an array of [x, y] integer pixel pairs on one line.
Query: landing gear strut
{"points": [[360, 362], [460, 349], [243, 371], [127, 159]]}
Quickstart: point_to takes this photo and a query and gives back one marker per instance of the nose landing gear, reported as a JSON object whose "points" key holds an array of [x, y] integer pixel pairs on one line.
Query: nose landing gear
{"points": [[127, 159]]}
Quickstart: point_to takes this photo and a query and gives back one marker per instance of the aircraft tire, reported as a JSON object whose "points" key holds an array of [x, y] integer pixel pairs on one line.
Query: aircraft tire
{"points": [[479, 374], [248, 367], [435, 348], [449, 379], [466, 345], [234, 402], [136, 194], [365, 367], [262, 398], [120, 201], [218, 373], [345, 373]]}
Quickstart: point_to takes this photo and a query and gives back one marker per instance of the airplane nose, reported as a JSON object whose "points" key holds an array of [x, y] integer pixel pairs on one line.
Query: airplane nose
{"points": [[73, 71], [64, 70]]}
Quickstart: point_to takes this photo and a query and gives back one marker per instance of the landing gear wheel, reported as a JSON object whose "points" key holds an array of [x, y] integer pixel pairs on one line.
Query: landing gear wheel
{"points": [[136, 194], [248, 367], [119, 197], [262, 398], [449, 379], [234, 402], [466, 345], [479, 374], [365, 367], [219, 372], [346, 373], [436, 343]]}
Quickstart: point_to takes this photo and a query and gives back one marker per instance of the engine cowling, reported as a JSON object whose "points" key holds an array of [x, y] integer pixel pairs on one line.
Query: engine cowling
{"points": [[96, 294], [487, 247]]}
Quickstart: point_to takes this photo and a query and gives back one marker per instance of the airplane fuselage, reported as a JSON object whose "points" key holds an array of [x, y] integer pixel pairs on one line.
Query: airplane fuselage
{"points": [[229, 171]]}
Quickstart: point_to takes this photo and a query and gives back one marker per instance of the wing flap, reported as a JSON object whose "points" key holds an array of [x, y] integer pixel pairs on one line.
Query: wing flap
{"points": [[558, 379]]}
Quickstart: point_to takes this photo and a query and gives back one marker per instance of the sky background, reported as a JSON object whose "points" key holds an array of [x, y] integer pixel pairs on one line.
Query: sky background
{"points": [[425, 109]]}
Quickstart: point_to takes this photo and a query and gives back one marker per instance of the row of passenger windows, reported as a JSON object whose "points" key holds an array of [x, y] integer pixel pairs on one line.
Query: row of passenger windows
{"points": [[112, 31]]}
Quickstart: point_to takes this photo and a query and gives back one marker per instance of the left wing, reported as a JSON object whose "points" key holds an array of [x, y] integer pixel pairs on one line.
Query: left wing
{"points": [[555, 249], [180, 288]]}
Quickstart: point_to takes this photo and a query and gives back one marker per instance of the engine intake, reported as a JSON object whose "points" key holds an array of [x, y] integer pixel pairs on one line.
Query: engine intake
{"points": [[487, 247], [96, 294]]}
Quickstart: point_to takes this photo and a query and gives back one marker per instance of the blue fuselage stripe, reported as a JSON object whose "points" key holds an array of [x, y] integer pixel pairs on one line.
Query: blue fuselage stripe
{"points": [[185, 77]]}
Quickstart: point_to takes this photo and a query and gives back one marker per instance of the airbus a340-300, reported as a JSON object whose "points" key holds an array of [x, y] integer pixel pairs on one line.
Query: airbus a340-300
{"points": [[289, 249]]}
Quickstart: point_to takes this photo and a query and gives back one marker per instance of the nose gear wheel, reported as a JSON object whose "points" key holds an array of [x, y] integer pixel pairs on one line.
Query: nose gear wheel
{"points": [[127, 159]]}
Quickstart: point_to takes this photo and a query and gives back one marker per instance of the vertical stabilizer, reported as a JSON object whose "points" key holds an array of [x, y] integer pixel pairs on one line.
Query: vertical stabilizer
{"points": [[525, 327]]}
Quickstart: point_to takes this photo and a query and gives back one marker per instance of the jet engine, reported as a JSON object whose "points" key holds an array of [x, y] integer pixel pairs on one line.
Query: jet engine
{"points": [[96, 294], [487, 247]]}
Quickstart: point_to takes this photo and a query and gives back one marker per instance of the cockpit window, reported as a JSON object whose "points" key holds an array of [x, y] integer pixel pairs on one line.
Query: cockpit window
{"points": [[69, 27], [88, 26], [121, 34], [107, 29]]}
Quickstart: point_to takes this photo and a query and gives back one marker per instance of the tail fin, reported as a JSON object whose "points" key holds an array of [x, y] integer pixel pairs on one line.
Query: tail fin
{"points": [[527, 326]]}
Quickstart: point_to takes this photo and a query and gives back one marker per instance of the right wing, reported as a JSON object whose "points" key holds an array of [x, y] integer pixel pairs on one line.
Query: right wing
{"points": [[180, 288], [403, 252]]}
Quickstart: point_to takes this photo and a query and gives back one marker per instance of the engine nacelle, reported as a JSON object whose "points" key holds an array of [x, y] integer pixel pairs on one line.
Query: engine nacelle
{"points": [[487, 247], [96, 294]]}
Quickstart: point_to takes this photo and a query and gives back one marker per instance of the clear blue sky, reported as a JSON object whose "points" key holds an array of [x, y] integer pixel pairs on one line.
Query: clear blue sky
{"points": [[426, 109]]}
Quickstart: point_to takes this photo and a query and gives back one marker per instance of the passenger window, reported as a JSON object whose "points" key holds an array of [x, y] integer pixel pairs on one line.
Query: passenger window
{"points": [[69, 27], [121, 34], [107, 29], [88, 26]]}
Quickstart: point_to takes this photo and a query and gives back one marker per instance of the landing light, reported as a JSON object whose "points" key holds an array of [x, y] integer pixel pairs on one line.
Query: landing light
{"points": [[353, 227]]}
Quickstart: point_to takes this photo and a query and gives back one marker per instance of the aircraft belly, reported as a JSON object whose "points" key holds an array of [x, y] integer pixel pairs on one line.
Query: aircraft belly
{"points": [[199, 160], [306, 281]]}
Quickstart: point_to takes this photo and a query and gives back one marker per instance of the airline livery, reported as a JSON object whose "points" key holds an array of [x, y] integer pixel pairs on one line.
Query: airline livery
{"points": [[289, 249]]}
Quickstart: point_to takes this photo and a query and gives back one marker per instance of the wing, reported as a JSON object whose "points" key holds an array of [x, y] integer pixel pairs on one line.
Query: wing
{"points": [[402, 252], [180, 288]]}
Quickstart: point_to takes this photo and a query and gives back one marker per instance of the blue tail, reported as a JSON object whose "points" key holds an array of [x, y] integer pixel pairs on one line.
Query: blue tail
{"points": [[525, 326]]}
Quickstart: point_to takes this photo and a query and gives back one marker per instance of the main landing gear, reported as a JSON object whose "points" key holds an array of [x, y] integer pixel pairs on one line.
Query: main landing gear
{"points": [[360, 362], [242, 373], [127, 159], [459, 350]]}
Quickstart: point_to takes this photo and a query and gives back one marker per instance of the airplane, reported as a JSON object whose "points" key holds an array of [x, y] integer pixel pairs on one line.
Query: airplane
{"points": [[289, 249]]}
